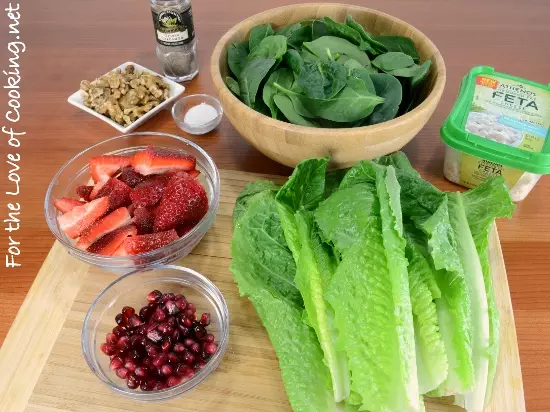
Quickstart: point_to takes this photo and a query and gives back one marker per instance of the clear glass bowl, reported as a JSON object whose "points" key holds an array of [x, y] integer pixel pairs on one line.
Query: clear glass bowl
{"points": [[132, 290], [75, 173], [182, 106]]}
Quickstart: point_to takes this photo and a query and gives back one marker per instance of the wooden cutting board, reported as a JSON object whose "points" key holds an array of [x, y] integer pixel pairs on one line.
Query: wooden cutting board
{"points": [[42, 368]]}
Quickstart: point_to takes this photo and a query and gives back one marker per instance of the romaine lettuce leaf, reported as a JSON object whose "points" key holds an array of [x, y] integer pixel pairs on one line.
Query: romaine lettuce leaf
{"points": [[316, 265], [248, 191]]}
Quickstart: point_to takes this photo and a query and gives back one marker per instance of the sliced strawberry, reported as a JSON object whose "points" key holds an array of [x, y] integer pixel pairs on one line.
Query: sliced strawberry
{"points": [[117, 191], [184, 203], [150, 191], [145, 243], [112, 221], [155, 160], [183, 230], [66, 204], [130, 177], [84, 192], [121, 250], [73, 223], [194, 173], [107, 165], [98, 186], [107, 245], [143, 219]]}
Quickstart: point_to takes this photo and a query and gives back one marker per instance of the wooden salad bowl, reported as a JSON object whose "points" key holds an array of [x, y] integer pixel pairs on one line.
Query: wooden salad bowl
{"points": [[287, 143]]}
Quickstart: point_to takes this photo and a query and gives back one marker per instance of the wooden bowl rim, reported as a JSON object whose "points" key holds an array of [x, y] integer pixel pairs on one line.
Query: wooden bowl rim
{"points": [[432, 98]]}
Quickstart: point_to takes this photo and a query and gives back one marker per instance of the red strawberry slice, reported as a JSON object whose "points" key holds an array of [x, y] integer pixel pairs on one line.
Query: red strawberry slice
{"points": [[66, 204], [73, 223], [143, 219], [117, 191], [112, 221], [98, 186], [183, 230], [110, 243], [154, 160], [184, 203], [145, 243], [107, 165], [194, 173], [150, 191], [84, 192], [130, 177], [121, 250]]}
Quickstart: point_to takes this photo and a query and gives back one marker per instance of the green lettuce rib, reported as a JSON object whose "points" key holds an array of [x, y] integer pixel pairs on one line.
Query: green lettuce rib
{"points": [[315, 268]]}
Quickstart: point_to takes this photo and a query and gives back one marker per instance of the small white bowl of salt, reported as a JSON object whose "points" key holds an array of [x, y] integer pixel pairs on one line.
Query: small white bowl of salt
{"points": [[197, 113]]}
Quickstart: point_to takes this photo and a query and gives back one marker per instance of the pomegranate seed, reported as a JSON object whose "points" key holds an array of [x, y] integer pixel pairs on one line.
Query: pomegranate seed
{"points": [[108, 349], [122, 373], [199, 331], [141, 372], [186, 372], [195, 347], [160, 386], [188, 342], [168, 297], [134, 321], [185, 331], [132, 355], [152, 349], [205, 356], [167, 370], [145, 313], [179, 347], [137, 341], [205, 319], [191, 307], [132, 381], [171, 307], [159, 315], [165, 329], [210, 348], [146, 386], [176, 335], [199, 364], [160, 360], [173, 381], [154, 335], [172, 357], [116, 363], [181, 303], [188, 358], [123, 343], [188, 322], [209, 338], [120, 319], [155, 296], [166, 344], [128, 311], [171, 321], [130, 365], [119, 331], [111, 339], [188, 312]]}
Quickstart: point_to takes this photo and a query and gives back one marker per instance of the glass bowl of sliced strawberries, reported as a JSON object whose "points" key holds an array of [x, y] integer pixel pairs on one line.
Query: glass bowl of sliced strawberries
{"points": [[134, 200]]}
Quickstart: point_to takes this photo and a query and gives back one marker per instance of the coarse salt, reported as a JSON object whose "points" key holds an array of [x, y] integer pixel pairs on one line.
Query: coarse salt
{"points": [[200, 115]]}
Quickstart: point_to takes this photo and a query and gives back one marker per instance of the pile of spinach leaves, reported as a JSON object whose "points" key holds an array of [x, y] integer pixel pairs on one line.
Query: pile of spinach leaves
{"points": [[321, 73]]}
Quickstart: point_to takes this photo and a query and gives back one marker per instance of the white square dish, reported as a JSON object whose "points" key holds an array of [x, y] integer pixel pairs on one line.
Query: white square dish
{"points": [[77, 99]]}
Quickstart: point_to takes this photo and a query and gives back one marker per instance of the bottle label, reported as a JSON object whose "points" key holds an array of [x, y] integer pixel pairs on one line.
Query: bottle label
{"points": [[174, 28]]}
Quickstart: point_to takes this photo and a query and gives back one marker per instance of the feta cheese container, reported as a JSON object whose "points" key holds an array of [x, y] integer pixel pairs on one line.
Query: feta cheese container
{"points": [[499, 126]]}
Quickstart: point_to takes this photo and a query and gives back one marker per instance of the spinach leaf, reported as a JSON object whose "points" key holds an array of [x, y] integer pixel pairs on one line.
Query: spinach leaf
{"points": [[253, 72], [363, 74], [294, 60], [287, 30], [399, 44], [299, 106], [368, 42], [336, 45], [393, 61], [421, 73], [407, 71], [233, 86], [257, 34], [352, 103], [236, 57], [318, 29], [299, 36], [343, 31], [389, 88], [272, 47], [322, 80], [284, 77], [284, 104]]}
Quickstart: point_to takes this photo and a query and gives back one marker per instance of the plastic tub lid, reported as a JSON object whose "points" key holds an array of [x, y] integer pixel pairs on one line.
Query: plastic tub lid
{"points": [[509, 95]]}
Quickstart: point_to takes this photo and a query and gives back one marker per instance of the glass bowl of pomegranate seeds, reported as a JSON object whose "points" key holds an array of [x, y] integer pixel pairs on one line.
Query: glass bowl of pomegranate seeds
{"points": [[133, 201], [156, 334]]}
